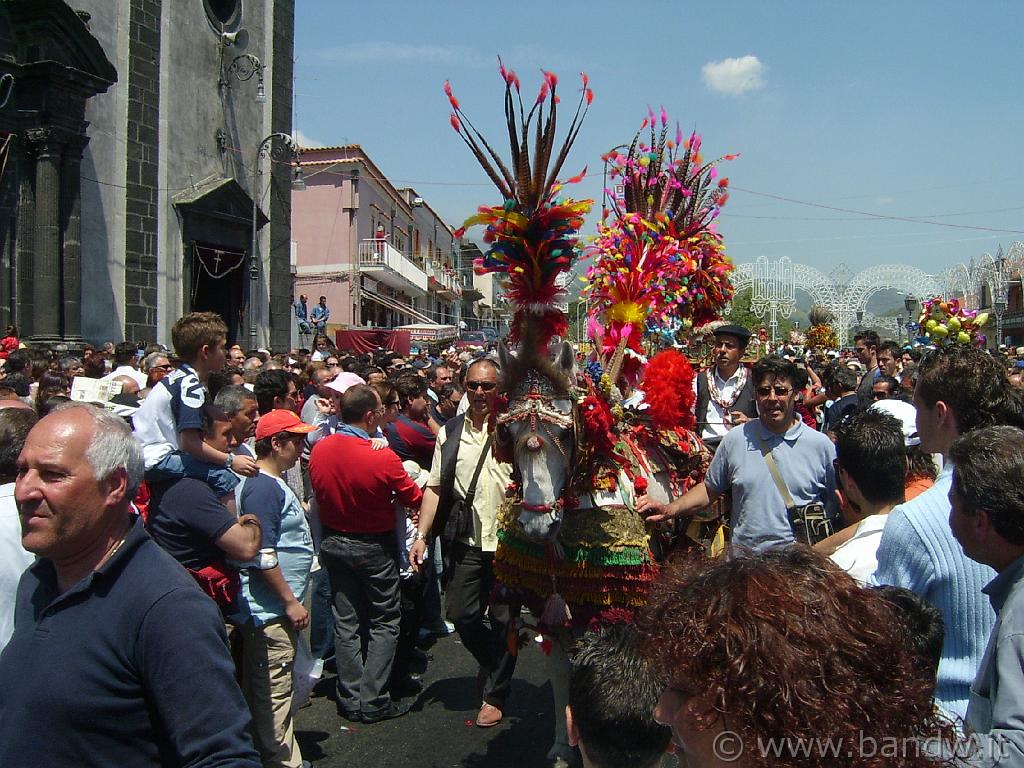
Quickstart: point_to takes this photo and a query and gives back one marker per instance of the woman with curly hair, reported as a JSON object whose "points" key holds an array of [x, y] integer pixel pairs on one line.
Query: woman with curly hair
{"points": [[782, 660]]}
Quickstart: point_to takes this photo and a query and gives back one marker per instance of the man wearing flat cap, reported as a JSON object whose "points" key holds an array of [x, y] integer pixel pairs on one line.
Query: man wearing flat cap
{"points": [[725, 393]]}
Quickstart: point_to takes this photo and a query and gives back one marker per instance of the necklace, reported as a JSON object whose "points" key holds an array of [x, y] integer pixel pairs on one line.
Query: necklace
{"points": [[725, 403], [116, 546]]}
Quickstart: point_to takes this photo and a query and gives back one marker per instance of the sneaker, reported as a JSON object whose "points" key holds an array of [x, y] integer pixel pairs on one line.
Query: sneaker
{"points": [[392, 710], [352, 716]]}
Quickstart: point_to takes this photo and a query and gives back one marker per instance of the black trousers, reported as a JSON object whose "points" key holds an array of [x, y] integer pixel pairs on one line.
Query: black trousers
{"points": [[482, 627]]}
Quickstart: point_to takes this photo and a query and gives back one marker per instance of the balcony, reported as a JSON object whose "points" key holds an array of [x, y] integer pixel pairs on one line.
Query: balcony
{"points": [[390, 266], [445, 280]]}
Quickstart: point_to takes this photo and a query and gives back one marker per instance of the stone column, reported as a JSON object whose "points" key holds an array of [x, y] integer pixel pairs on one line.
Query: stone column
{"points": [[46, 271], [71, 220], [25, 240]]}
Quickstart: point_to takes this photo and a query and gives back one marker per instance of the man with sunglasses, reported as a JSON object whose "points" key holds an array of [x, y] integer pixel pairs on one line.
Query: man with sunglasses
{"points": [[463, 446], [885, 388], [760, 517]]}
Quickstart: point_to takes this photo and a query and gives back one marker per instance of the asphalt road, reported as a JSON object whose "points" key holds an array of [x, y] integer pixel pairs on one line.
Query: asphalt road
{"points": [[439, 731]]}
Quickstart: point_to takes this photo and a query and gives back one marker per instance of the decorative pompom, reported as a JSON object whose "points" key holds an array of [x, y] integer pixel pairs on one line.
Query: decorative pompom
{"points": [[668, 390]]}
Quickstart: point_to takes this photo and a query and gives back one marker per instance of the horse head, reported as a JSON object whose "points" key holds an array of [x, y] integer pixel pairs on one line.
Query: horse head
{"points": [[540, 427]]}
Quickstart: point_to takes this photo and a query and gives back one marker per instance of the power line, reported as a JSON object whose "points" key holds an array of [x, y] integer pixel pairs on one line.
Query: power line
{"points": [[870, 214]]}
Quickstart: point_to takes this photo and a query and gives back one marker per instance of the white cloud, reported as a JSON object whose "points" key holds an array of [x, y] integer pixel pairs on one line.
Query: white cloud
{"points": [[306, 141], [734, 76]]}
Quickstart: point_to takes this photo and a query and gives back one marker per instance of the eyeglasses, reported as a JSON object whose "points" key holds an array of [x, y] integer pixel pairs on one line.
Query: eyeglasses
{"points": [[486, 386], [879, 395], [161, 367], [779, 391]]}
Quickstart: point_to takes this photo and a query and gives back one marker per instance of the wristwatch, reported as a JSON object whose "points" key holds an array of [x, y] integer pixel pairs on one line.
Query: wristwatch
{"points": [[230, 460], [420, 536]]}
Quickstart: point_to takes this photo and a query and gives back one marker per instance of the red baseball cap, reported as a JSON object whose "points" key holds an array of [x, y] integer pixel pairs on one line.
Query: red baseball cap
{"points": [[280, 420]]}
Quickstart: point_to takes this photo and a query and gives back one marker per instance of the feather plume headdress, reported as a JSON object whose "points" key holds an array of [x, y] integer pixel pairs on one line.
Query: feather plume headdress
{"points": [[660, 257], [532, 236]]}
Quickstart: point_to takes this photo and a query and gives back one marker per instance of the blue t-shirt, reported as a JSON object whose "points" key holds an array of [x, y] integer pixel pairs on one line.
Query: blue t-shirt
{"points": [[759, 519], [285, 531], [186, 519]]}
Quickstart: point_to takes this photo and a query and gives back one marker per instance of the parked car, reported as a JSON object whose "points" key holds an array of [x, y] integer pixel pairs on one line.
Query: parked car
{"points": [[472, 339]]}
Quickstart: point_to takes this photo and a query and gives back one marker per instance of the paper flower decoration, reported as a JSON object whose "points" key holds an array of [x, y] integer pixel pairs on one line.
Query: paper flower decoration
{"points": [[822, 336]]}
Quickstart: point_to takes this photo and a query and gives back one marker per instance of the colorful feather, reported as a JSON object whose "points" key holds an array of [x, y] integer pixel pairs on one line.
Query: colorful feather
{"points": [[532, 235], [659, 258]]}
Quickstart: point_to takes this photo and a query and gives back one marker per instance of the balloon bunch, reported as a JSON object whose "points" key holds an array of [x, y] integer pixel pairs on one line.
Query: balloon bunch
{"points": [[946, 322]]}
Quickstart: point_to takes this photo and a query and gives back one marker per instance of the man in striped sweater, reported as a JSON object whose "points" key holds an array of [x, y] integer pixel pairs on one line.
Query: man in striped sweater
{"points": [[959, 389]]}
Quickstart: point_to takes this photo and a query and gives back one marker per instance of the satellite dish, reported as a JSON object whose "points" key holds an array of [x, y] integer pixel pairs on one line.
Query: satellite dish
{"points": [[239, 39]]}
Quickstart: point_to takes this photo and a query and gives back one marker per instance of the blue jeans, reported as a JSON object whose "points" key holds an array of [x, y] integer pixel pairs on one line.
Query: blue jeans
{"points": [[177, 465], [364, 582]]}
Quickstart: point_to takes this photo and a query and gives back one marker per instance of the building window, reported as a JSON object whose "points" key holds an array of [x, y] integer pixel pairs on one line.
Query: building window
{"points": [[224, 15]]}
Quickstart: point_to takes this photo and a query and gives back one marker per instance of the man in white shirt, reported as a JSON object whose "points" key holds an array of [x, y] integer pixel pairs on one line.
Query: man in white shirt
{"points": [[871, 468], [725, 392], [125, 360], [15, 423]]}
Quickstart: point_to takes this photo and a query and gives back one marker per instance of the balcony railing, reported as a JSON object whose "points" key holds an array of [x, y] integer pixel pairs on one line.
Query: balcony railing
{"points": [[447, 279], [391, 266]]}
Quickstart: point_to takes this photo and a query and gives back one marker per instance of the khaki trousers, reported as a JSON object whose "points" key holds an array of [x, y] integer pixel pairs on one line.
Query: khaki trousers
{"points": [[268, 657]]}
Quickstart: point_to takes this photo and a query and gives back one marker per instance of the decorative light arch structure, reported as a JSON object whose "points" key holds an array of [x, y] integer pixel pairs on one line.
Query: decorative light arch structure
{"points": [[845, 297]]}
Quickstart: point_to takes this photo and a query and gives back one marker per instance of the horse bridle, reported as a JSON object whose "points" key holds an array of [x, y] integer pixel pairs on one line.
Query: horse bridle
{"points": [[534, 406]]}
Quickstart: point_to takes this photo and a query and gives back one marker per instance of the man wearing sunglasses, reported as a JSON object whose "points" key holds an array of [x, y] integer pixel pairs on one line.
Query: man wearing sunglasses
{"points": [[463, 446], [761, 516]]}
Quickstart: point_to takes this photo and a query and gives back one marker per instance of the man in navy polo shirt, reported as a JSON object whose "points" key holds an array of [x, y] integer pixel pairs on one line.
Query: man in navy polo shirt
{"points": [[117, 658]]}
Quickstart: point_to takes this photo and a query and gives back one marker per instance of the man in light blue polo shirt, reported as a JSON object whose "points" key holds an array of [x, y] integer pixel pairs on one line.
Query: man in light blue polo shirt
{"points": [[803, 456]]}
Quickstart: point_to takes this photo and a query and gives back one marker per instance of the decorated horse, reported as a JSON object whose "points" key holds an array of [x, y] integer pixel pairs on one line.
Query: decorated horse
{"points": [[572, 547]]}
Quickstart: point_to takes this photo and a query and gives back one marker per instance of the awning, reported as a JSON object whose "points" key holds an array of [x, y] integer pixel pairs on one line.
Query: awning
{"points": [[390, 303]]}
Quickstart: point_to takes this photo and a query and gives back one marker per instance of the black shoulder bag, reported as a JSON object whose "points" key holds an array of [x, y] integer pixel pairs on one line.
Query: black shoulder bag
{"points": [[809, 522]]}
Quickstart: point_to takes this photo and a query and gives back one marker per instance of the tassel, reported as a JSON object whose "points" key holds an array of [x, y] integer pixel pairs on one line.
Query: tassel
{"points": [[556, 611]]}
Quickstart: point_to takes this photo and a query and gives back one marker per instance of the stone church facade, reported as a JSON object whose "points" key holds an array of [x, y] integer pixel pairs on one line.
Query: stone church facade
{"points": [[129, 150]]}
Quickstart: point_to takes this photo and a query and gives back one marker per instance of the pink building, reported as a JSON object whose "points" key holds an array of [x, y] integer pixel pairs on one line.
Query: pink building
{"points": [[381, 255]]}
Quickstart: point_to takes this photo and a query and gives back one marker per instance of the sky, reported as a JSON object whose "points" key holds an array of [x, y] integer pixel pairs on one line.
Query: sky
{"points": [[849, 118]]}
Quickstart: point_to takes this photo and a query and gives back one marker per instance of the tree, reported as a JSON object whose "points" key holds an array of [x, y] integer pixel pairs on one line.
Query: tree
{"points": [[740, 313]]}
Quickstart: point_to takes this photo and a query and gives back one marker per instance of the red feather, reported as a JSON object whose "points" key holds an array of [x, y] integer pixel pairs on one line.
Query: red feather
{"points": [[668, 390]]}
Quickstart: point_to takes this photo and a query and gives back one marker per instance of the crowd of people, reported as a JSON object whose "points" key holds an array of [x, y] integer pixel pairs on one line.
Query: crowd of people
{"points": [[178, 554]]}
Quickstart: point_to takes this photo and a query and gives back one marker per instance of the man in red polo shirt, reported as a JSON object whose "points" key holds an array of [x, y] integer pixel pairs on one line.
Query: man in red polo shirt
{"points": [[355, 488]]}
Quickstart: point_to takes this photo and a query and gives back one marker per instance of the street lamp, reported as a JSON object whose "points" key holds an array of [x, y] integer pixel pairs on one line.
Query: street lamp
{"points": [[910, 304], [284, 147], [244, 68], [999, 300]]}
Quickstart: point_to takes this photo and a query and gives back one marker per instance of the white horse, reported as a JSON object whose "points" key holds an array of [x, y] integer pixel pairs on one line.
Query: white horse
{"points": [[553, 467]]}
